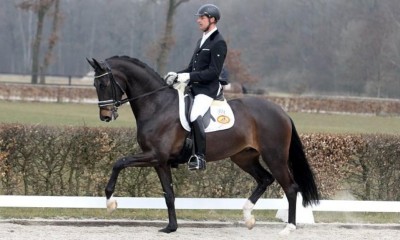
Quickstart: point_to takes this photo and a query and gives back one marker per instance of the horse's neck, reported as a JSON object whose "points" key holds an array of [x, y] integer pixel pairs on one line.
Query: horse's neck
{"points": [[142, 81], [162, 106], [154, 104]]}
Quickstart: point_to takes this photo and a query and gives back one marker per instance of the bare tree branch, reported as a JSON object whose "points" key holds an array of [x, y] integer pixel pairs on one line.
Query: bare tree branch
{"points": [[179, 3]]}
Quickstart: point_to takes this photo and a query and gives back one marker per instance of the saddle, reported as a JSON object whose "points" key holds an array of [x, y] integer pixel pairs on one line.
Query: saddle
{"points": [[218, 117]]}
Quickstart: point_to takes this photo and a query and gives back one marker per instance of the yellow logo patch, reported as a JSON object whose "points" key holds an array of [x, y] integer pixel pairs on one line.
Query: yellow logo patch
{"points": [[223, 119]]}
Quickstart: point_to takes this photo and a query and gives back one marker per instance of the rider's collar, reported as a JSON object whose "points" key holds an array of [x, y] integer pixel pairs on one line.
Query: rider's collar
{"points": [[207, 35]]}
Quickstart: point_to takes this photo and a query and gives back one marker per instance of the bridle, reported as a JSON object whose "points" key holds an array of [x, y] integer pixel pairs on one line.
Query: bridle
{"points": [[115, 85]]}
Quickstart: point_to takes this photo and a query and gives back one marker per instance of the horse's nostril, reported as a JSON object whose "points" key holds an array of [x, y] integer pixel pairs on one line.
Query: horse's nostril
{"points": [[105, 118]]}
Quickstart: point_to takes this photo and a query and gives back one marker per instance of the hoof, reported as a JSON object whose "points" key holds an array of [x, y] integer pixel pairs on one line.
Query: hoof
{"points": [[167, 230], [288, 229], [111, 204], [250, 222]]}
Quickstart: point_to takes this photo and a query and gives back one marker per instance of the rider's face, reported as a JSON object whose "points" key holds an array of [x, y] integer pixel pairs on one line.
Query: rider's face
{"points": [[203, 22]]}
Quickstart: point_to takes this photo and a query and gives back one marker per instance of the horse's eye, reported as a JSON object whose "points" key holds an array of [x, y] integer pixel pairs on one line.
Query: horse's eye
{"points": [[102, 86]]}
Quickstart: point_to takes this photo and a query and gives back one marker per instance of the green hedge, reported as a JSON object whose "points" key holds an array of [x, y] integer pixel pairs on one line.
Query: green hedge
{"points": [[42, 160]]}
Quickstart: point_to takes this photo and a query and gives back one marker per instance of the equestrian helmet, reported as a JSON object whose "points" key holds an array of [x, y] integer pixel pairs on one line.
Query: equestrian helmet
{"points": [[209, 10]]}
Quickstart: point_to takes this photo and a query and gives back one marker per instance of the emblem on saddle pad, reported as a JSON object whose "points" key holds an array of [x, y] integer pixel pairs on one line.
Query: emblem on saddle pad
{"points": [[223, 119], [218, 117]]}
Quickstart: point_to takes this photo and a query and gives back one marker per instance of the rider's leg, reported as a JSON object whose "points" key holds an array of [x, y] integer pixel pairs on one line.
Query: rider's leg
{"points": [[198, 161], [200, 106]]}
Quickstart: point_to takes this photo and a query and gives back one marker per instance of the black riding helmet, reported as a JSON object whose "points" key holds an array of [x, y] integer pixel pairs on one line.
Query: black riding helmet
{"points": [[209, 10]]}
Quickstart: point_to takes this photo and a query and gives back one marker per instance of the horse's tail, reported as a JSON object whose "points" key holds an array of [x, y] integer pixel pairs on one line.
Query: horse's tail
{"points": [[302, 173]]}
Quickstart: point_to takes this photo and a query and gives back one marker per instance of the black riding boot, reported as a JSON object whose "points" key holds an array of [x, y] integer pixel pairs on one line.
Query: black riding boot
{"points": [[197, 161]]}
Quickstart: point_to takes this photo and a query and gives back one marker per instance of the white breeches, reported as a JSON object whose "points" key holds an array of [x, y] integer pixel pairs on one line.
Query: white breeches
{"points": [[200, 106]]}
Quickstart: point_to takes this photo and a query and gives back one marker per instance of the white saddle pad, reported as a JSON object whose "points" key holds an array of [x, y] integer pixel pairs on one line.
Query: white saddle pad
{"points": [[221, 112]]}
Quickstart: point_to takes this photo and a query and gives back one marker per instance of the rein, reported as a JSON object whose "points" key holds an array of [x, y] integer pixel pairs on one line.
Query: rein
{"points": [[118, 103], [143, 95]]}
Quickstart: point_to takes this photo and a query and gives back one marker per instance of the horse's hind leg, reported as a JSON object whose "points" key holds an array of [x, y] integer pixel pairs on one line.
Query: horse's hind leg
{"points": [[249, 162], [275, 160]]}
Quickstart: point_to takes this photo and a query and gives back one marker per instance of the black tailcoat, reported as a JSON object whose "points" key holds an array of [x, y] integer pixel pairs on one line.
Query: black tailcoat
{"points": [[206, 65]]}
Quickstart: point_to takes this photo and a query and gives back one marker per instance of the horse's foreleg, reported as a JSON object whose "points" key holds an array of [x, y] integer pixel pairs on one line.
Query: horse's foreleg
{"points": [[111, 202], [164, 173], [139, 160]]}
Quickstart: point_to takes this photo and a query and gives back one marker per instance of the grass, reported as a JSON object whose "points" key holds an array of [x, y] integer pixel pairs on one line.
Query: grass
{"points": [[59, 114], [340, 123]]}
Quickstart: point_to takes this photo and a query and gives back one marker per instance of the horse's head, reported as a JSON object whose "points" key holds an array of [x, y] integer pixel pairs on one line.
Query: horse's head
{"points": [[109, 90]]}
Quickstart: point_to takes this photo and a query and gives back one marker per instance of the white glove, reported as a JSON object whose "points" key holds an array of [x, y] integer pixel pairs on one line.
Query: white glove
{"points": [[183, 77], [170, 77]]}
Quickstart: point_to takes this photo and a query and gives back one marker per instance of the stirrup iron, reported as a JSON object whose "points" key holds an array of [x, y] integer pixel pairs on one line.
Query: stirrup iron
{"points": [[196, 163]]}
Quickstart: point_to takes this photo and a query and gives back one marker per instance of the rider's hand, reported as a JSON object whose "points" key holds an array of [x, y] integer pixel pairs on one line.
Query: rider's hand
{"points": [[170, 78], [183, 77]]}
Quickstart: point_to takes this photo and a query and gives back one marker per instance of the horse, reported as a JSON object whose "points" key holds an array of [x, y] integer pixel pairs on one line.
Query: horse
{"points": [[262, 132]]}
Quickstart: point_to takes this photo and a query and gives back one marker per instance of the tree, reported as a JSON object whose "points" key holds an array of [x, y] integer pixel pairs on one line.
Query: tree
{"points": [[167, 40], [41, 8], [368, 65], [52, 41], [238, 72]]}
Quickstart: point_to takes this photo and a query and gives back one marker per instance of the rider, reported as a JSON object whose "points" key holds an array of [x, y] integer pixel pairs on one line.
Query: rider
{"points": [[203, 75]]}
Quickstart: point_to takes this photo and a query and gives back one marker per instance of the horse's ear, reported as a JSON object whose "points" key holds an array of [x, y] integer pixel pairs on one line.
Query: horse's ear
{"points": [[91, 63], [97, 64]]}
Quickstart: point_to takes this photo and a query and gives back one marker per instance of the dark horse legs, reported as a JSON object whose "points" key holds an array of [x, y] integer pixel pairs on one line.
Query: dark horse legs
{"points": [[138, 160], [281, 173], [164, 173], [249, 162]]}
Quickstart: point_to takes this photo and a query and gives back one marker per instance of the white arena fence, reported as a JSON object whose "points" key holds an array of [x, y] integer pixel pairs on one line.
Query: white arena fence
{"points": [[304, 215], [192, 203]]}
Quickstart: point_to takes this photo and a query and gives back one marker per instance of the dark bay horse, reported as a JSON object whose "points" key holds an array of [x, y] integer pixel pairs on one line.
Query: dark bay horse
{"points": [[262, 131]]}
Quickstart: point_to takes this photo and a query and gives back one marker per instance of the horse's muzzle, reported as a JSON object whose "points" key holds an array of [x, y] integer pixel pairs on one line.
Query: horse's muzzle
{"points": [[108, 114]]}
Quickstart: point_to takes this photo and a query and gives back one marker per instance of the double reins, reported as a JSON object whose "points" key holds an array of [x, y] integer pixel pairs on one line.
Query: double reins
{"points": [[114, 84]]}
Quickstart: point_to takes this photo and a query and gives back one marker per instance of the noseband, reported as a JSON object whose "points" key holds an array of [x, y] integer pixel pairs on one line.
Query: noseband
{"points": [[114, 84]]}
